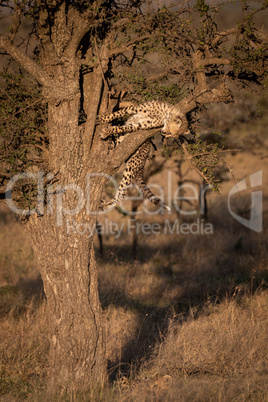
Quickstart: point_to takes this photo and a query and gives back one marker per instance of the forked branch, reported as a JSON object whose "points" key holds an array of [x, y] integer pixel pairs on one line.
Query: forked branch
{"points": [[29, 65]]}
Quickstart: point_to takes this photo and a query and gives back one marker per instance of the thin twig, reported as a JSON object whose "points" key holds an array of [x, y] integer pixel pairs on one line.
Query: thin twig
{"points": [[189, 159]]}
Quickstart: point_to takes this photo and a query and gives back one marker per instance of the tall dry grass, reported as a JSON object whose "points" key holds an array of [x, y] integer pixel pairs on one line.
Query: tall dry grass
{"points": [[23, 351], [219, 355]]}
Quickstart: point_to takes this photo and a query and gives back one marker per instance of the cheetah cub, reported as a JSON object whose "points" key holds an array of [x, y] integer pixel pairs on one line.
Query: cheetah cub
{"points": [[148, 115], [145, 116], [134, 171]]}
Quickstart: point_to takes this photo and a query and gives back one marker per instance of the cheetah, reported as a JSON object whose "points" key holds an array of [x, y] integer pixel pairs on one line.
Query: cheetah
{"points": [[148, 115], [145, 116], [134, 170]]}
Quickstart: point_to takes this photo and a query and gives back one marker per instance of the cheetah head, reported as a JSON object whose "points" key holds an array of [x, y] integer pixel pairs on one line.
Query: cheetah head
{"points": [[172, 126]]}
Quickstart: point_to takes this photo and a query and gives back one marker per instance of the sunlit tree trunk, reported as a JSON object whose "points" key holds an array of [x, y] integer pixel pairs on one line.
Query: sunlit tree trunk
{"points": [[62, 239]]}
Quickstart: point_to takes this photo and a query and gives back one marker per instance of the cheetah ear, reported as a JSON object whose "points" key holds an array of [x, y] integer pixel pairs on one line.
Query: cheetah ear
{"points": [[179, 120]]}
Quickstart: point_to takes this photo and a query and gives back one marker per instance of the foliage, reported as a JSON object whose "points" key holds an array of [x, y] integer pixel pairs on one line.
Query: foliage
{"points": [[143, 89], [23, 135], [23, 123], [206, 159], [244, 56]]}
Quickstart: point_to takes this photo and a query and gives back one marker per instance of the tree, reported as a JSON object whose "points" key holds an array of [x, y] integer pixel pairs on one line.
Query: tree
{"points": [[90, 57]]}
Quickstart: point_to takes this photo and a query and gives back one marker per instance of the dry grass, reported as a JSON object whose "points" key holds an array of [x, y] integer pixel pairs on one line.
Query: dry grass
{"points": [[220, 355], [23, 350], [185, 321], [16, 256]]}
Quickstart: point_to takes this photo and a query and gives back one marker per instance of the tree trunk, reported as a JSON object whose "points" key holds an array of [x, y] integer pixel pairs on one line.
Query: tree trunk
{"points": [[68, 268], [62, 239]]}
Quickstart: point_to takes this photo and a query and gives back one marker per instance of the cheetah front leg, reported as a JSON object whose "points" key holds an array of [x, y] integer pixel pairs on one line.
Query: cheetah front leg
{"points": [[106, 131], [106, 118]]}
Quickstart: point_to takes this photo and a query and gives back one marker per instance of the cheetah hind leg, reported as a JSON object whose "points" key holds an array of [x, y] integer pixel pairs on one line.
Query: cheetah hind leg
{"points": [[120, 195], [134, 165], [128, 176], [124, 185], [134, 170], [147, 192]]}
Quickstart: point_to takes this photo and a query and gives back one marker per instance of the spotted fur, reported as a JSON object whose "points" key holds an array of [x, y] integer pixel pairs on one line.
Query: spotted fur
{"points": [[134, 170], [145, 116]]}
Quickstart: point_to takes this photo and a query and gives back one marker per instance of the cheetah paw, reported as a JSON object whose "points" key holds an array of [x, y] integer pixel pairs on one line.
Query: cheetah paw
{"points": [[103, 133]]}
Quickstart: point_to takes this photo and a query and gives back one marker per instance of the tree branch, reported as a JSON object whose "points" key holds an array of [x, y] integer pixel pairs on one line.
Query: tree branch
{"points": [[128, 146], [29, 65], [213, 60], [215, 95], [16, 21], [131, 142], [80, 23], [189, 159], [223, 34]]}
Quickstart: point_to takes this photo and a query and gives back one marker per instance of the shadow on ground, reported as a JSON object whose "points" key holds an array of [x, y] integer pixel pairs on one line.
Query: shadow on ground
{"points": [[188, 271]]}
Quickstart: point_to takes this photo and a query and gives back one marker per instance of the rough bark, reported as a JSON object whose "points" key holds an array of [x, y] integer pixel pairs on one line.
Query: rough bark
{"points": [[68, 268], [63, 246]]}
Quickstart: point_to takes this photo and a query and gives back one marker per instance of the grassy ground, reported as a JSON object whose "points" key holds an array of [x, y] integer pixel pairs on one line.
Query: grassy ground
{"points": [[186, 320]]}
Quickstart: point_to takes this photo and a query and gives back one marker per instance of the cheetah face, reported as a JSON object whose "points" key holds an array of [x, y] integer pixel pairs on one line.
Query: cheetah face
{"points": [[172, 126]]}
